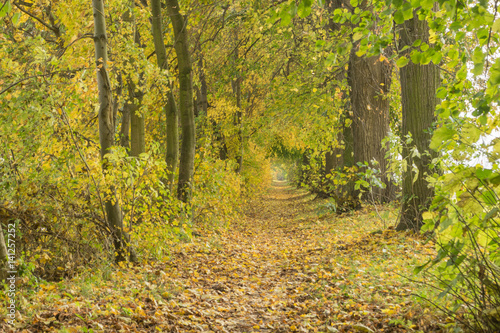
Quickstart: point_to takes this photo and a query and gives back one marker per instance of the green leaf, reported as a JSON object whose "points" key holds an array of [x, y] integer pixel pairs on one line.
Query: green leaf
{"points": [[462, 73], [415, 3], [436, 58], [354, 3], [402, 62], [483, 120], [441, 135], [441, 92], [399, 17], [427, 4], [478, 69], [286, 18], [357, 36], [491, 214], [470, 133], [5, 8], [489, 197], [478, 59], [416, 57], [445, 224], [15, 18], [459, 35], [495, 73], [407, 11], [496, 26], [304, 8]]}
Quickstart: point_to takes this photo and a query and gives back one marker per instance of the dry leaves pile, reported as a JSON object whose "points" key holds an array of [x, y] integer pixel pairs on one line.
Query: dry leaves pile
{"points": [[290, 266]]}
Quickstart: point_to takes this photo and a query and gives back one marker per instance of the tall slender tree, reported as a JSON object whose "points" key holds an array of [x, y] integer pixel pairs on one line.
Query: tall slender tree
{"points": [[172, 155], [418, 97], [107, 130], [186, 163], [135, 95], [236, 85]]}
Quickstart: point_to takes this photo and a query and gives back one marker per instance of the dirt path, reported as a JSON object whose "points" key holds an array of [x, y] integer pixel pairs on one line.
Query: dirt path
{"points": [[253, 281], [290, 265]]}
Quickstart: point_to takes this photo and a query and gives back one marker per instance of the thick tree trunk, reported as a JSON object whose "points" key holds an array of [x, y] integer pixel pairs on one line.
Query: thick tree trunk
{"points": [[418, 97], [186, 163], [370, 80], [333, 160], [172, 151], [107, 128], [4, 258]]}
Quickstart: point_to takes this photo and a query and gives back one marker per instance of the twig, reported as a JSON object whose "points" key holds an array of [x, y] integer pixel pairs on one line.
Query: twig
{"points": [[66, 120]]}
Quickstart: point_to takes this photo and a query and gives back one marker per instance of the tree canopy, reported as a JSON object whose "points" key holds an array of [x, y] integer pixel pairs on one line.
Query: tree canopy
{"points": [[130, 127]]}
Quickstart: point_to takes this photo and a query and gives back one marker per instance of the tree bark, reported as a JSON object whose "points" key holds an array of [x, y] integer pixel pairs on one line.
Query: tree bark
{"points": [[172, 151], [236, 85], [186, 163], [418, 97], [344, 194], [107, 129], [125, 128], [237, 122], [203, 89], [370, 81], [137, 121]]}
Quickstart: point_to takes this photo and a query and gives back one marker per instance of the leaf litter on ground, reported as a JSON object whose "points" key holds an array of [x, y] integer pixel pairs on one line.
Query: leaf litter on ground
{"points": [[289, 265]]}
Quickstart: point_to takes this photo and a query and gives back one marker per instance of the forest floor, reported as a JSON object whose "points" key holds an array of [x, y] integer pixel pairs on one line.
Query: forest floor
{"points": [[290, 265]]}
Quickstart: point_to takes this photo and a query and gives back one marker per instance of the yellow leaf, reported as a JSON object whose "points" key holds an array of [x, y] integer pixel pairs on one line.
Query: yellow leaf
{"points": [[427, 216]]}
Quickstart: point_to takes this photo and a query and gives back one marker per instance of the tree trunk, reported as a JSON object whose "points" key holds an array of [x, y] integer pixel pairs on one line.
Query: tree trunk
{"points": [[236, 85], [4, 258], [107, 129], [186, 164], [125, 127], [203, 88], [172, 156], [172, 151], [137, 123], [137, 131], [333, 160], [370, 81], [418, 97], [346, 196], [237, 122]]}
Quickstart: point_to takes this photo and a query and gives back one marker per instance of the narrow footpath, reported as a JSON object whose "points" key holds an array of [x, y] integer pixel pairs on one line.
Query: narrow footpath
{"points": [[290, 265], [293, 265]]}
